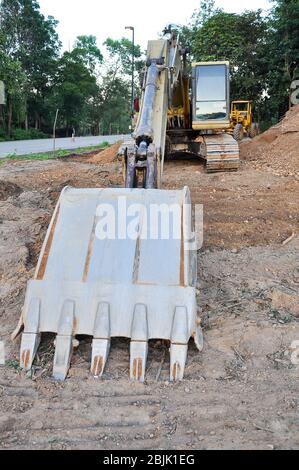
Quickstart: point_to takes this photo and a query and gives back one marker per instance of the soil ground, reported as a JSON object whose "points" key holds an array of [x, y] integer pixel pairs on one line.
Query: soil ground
{"points": [[240, 393]]}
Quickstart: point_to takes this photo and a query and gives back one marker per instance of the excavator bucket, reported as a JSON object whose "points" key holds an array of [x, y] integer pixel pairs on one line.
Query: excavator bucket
{"points": [[103, 277]]}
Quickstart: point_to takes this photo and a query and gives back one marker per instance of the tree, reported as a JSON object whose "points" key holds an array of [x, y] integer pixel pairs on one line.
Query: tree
{"points": [[286, 24], [30, 39], [15, 81], [86, 48], [73, 91], [263, 51], [241, 39], [93, 94], [206, 10], [114, 109], [283, 55], [199, 17], [120, 53], [115, 87]]}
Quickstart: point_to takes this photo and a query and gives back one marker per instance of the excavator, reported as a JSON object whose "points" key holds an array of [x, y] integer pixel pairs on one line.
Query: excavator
{"points": [[142, 287], [171, 122]]}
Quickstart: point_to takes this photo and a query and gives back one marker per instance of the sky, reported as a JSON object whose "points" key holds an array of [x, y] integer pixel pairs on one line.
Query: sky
{"points": [[108, 18]]}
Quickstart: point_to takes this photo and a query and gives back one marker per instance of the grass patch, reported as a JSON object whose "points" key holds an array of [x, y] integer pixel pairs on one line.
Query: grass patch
{"points": [[55, 155], [280, 316], [280, 359], [13, 365]]}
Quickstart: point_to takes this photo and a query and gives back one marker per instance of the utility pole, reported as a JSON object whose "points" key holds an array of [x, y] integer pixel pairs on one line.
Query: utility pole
{"points": [[133, 67], [54, 130], [2, 99], [2, 93]]}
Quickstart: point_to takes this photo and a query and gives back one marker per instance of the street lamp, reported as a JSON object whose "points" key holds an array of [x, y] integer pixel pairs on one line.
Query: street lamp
{"points": [[133, 66]]}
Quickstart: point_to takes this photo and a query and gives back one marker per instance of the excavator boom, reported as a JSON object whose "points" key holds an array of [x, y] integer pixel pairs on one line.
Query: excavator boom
{"points": [[171, 123]]}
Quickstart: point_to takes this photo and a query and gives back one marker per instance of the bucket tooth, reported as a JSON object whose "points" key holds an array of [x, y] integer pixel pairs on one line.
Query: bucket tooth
{"points": [[62, 358], [198, 337], [29, 346], [138, 357], [139, 344], [178, 358], [179, 344], [64, 341], [31, 337], [100, 353], [101, 342]]}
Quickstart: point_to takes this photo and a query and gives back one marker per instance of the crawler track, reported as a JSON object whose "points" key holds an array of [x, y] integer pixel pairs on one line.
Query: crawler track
{"points": [[221, 153]]}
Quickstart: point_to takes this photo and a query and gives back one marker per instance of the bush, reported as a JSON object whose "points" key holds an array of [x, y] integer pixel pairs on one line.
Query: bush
{"points": [[22, 134], [264, 126], [104, 144], [2, 135], [36, 134]]}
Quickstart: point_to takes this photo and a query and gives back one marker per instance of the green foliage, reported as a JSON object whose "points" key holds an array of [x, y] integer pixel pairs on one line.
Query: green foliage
{"points": [[3, 137], [93, 94], [283, 54], [285, 22], [74, 86], [263, 51], [87, 50], [14, 365], [30, 43], [104, 145], [241, 40], [206, 10], [39, 81], [199, 17], [121, 51], [57, 153], [22, 134], [115, 104], [15, 80], [115, 88]]}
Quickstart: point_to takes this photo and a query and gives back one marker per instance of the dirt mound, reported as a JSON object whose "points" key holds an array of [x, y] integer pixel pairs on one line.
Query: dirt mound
{"points": [[8, 189], [277, 148], [108, 155]]}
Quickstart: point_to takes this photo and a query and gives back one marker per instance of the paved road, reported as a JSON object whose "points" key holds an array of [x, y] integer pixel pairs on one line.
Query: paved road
{"points": [[25, 147]]}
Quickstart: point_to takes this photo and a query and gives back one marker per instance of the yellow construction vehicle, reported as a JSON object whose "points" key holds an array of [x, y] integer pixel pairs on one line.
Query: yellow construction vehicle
{"points": [[179, 114], [94, 277], [241, 117]]}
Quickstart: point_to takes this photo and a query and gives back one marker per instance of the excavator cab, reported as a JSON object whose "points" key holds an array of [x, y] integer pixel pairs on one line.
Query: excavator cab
{"points": [[210, 95], [211, 115]]}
